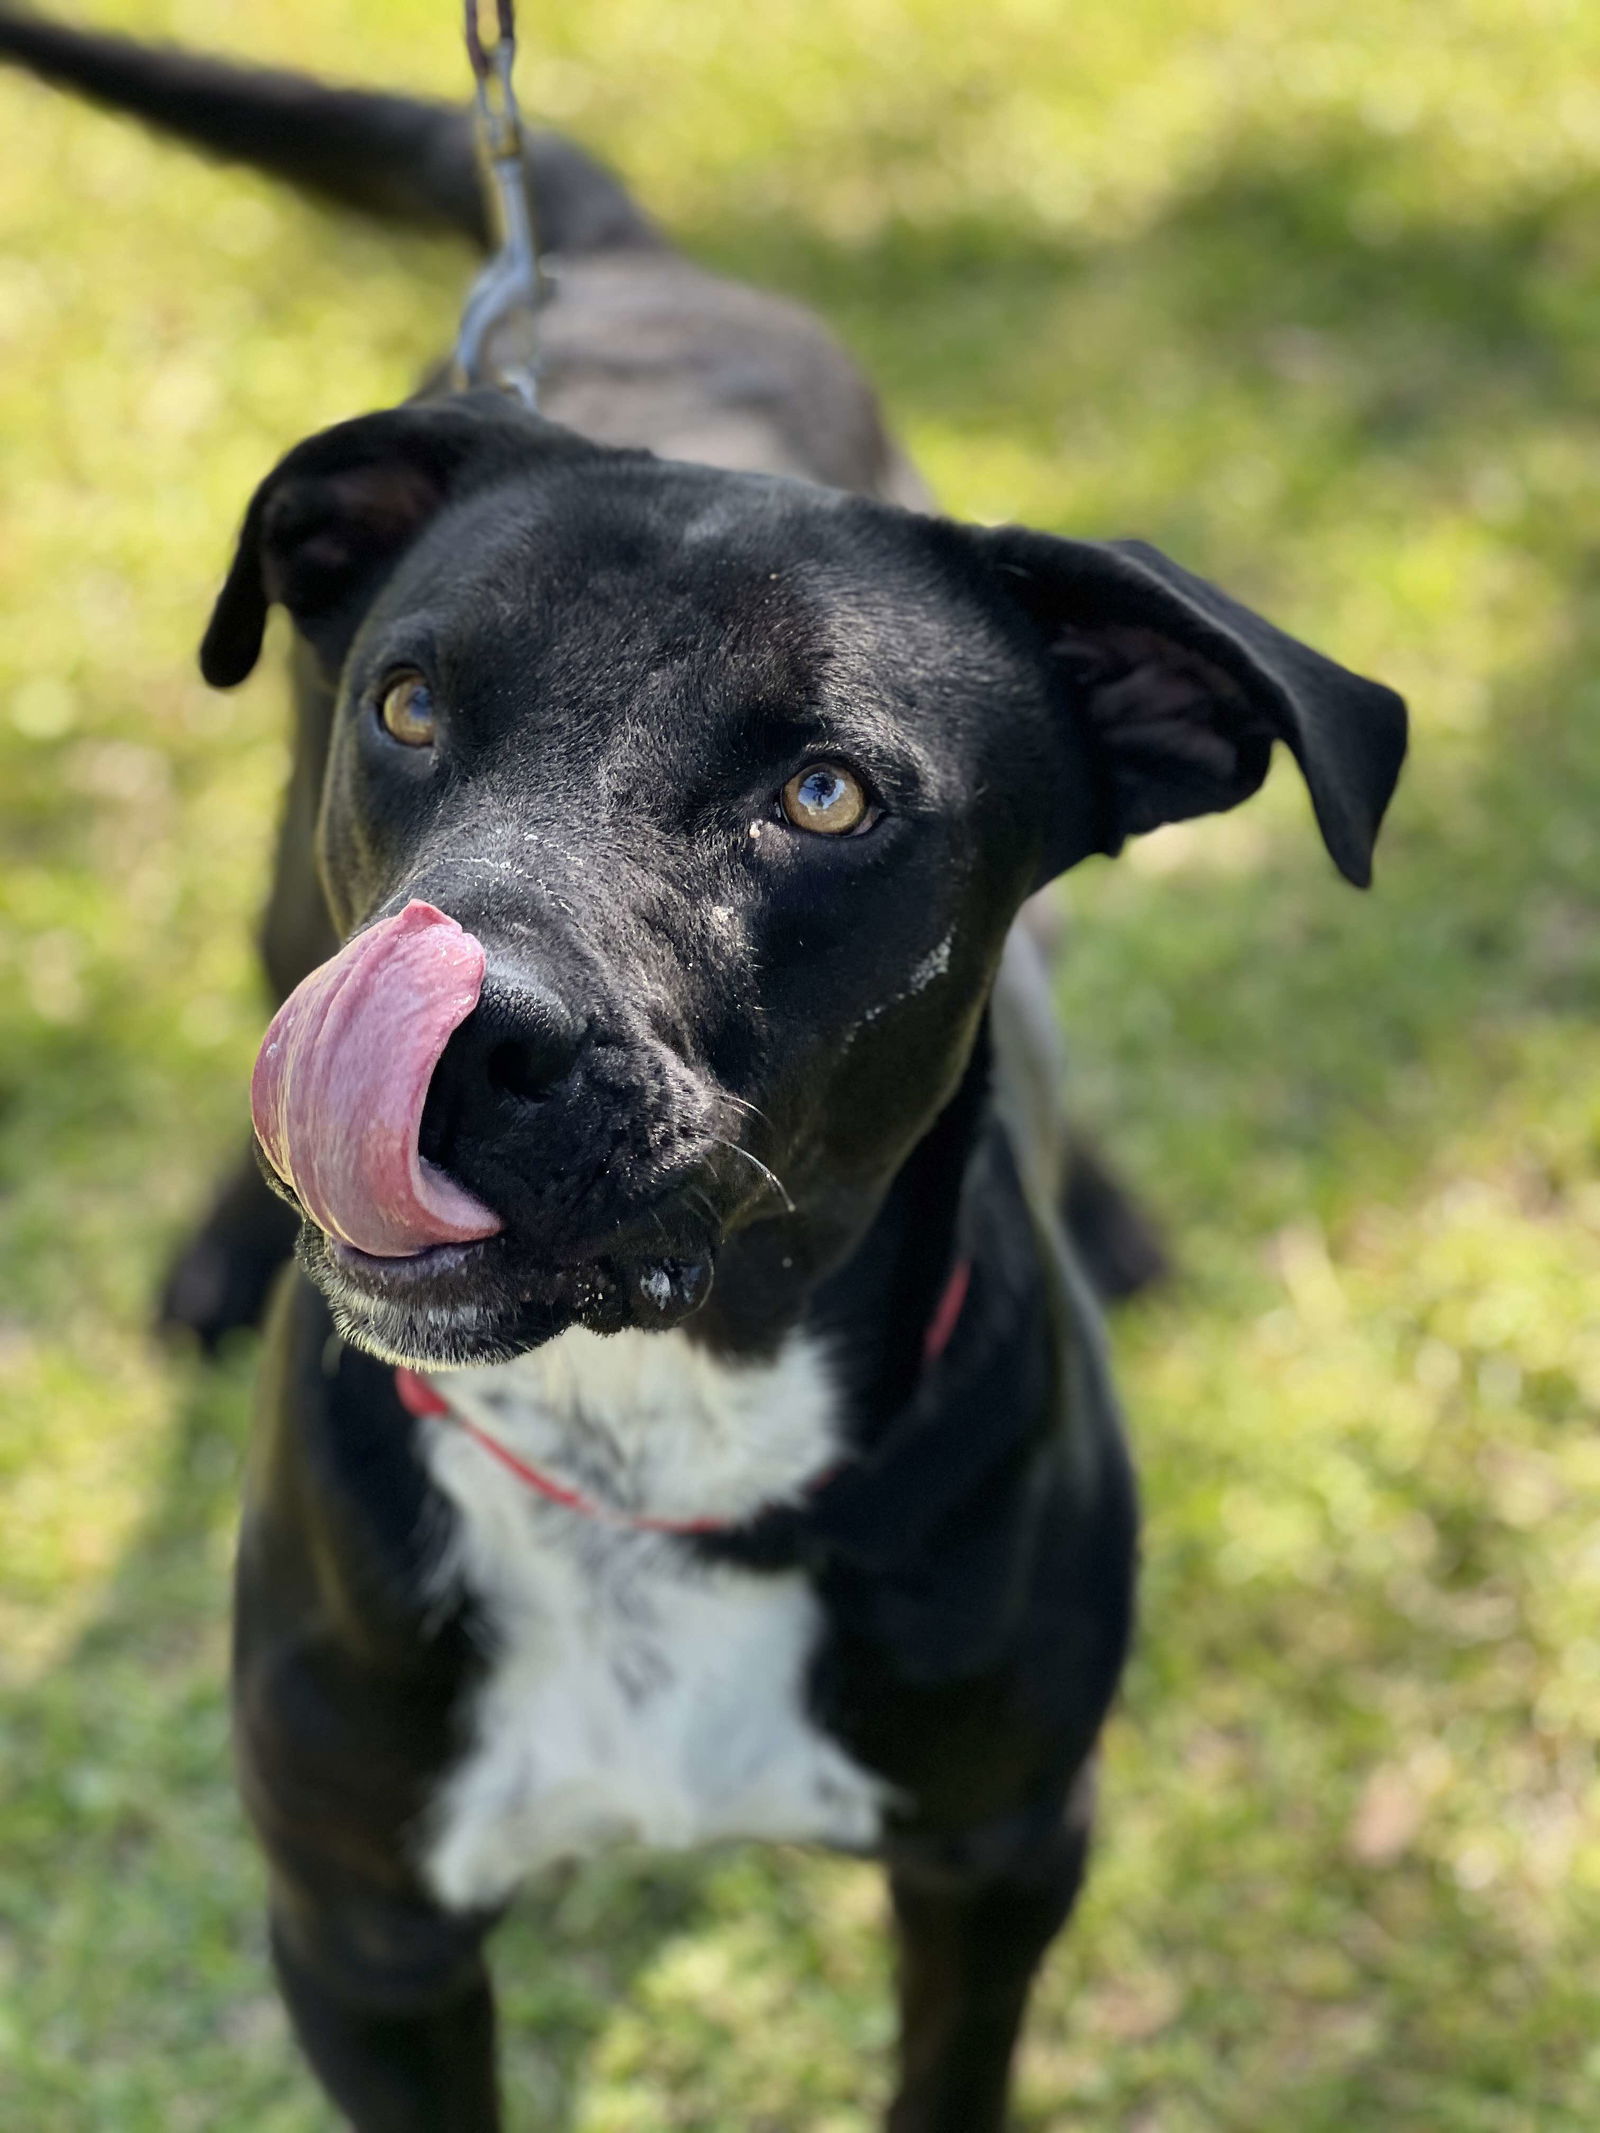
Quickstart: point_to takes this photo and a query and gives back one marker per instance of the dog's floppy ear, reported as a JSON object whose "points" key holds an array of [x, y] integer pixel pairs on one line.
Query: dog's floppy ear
{"points": [[1180, 693], [334, 517]]}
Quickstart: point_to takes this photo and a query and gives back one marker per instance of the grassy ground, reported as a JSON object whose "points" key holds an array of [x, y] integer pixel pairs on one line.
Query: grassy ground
{"points": [[1306, 293]]}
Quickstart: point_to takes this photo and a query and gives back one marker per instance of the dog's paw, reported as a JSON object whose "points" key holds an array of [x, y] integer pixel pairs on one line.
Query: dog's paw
{"points": [[212, 1291], [220, 1281], [1117, 1243]]}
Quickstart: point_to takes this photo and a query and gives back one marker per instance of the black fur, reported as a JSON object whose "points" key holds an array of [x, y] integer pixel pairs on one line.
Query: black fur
{"points": [[741, 1051]]}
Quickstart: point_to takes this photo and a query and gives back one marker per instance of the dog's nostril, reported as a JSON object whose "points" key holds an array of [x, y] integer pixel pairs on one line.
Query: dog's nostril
{"points": [[526, 1071], [517, 1047]]}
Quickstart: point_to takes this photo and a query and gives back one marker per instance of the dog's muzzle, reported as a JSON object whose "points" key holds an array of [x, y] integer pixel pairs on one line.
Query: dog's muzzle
{"points": [[398, 1045]]}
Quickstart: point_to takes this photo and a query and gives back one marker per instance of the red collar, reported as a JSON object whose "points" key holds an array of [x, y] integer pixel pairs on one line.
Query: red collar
{"points": [[418, 1396]]}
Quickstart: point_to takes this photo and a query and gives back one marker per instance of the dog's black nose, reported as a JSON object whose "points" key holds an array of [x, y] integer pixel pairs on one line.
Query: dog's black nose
{"points": [[515, 1049]]}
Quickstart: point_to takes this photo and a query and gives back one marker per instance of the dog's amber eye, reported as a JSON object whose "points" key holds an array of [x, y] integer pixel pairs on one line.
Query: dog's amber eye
{"points": [[406, 709], [826, 799]]}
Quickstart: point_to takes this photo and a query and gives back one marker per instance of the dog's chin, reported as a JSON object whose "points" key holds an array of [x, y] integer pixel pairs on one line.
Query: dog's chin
{"points": [[456, 1305]]}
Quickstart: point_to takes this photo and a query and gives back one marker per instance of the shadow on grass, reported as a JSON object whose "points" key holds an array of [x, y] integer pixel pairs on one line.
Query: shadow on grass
{"points": [[1290, 259]]}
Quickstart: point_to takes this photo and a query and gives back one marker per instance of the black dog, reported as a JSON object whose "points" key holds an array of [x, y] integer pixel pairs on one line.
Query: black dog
{"points": [[676, 1101]]}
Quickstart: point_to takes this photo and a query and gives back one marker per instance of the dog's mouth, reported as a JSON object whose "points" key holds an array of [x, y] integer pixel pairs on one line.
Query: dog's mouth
{"points": [[416, 1268], [482, 1302]]}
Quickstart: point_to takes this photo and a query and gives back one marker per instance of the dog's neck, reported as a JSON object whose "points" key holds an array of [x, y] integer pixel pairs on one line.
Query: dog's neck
{"points": [[871, 1289], [722, 1421], [648, 1425]]}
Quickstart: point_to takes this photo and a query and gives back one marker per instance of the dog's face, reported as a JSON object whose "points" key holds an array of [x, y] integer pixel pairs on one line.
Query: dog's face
{"points": [[739, 784]]}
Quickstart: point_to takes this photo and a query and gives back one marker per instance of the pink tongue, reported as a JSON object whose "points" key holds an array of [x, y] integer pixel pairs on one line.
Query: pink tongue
{"points": [[342, 1077]]}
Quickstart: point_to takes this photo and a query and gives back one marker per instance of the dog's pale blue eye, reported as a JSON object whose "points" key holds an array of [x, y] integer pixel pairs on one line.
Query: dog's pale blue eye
{"points": [[826, 799]]}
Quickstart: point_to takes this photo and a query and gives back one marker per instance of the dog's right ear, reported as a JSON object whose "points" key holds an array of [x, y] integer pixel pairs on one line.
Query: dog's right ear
{"points": [[334, 517]]}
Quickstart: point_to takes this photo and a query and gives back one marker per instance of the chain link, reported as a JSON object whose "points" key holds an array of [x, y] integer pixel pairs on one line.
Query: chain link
{"points": [[515, 277]]}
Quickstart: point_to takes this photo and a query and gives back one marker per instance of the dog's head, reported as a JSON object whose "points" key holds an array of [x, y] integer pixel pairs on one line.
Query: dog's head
{"points": [[675, 820]]}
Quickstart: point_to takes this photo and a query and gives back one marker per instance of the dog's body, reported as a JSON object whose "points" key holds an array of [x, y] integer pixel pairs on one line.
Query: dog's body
{"points": [[914, 1662], [842, 1545]]}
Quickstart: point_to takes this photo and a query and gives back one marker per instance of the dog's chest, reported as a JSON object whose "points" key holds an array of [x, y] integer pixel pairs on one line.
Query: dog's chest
{"points": [[634, 1694]]}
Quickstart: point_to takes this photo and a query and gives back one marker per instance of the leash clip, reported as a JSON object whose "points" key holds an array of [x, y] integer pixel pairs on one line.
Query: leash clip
{"points": [[514, 278]]}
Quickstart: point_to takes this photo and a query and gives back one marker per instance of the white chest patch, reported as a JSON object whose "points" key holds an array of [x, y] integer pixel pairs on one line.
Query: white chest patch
{"points": [[635, 1694]]}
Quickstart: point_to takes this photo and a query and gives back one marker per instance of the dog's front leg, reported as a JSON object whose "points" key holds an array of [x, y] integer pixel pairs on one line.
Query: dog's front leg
{"points": [[393, 2007], [968, 1952]]}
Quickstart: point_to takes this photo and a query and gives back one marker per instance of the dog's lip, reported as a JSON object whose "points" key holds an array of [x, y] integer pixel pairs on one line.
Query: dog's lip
{"points": [[488, 1299], [379, 1271], [417, 1269], [604, 1287], [440, 1310]]}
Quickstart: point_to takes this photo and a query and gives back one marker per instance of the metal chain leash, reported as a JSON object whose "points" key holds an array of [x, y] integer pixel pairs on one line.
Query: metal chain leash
{"points": [[514, 277]]}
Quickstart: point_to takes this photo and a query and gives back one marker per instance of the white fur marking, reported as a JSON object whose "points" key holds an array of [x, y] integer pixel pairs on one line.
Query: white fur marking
{"points": [[933, 965], [635, 1694]]}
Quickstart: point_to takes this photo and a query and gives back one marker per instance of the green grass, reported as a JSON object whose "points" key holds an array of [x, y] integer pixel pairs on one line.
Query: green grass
{"points": [[1312, 296]]}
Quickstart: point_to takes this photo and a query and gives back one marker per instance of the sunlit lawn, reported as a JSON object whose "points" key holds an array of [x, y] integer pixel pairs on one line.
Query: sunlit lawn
{"points": [[1311, 295]]}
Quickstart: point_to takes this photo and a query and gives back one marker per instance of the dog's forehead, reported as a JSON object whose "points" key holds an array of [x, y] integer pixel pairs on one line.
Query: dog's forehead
{"points": [[723, 594]]}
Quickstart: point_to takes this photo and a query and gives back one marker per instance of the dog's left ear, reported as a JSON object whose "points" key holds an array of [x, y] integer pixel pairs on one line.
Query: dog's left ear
{"points": [[1180, 693]]}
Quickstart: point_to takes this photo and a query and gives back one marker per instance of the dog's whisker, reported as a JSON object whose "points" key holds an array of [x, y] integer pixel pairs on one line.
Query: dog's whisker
{"points": [[702, 1200], [742, 1103], [755, 1161]]}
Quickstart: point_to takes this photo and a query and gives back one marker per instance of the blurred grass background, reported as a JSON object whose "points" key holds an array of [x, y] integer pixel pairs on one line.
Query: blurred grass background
{"points": [[1310, 294]]}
